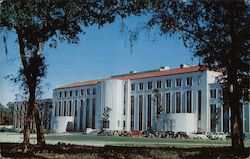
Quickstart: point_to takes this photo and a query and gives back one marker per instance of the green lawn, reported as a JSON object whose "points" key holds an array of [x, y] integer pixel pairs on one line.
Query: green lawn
{"points": [[138, 141]]}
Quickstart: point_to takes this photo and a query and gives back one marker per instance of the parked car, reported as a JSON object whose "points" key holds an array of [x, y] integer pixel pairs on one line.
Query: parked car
{"points": [[208, 134], [162, 134], [169, 134], [229, 136], [125, 133], [136, 133], [147, 134], [221, 136], [102, 133], [181, 135], [94, 133], [201, 135]]}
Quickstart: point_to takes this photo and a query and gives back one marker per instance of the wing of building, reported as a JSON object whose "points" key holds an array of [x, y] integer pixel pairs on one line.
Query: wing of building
{"points": [[44, 107], [189, 96]]}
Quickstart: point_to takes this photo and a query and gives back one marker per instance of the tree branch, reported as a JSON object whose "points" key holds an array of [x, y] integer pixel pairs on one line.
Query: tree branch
{"points": [[22, 49]]}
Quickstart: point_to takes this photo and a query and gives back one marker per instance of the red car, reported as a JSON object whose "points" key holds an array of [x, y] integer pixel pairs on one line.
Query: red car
{"points": [[136, 133]]}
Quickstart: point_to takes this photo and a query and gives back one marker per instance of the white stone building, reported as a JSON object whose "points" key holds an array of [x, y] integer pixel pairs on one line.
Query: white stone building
{"points": [[20, 109], [189, 97]]}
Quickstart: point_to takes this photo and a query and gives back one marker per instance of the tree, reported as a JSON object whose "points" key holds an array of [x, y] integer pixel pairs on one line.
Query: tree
{"points": [[10, 106], [105, 116], [1, 113], [6, 117], [37, 23], [158, 106], [218, 33]]}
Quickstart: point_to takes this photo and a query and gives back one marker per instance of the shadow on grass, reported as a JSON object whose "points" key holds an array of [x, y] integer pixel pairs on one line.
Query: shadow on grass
{"points": [[75, 151]]}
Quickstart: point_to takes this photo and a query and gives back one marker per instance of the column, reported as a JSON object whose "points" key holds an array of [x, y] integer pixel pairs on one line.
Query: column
{"points": [[78, 115], [90, 112], [144, 112], [84, 115]]}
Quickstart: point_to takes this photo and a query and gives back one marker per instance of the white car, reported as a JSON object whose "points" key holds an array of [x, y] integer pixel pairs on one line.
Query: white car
{"points": [[201, 135], [94, 133], [221, 136]]}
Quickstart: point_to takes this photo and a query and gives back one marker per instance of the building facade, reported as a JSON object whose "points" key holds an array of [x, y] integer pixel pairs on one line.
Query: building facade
{"points": [[189, 96], [44, 107]]}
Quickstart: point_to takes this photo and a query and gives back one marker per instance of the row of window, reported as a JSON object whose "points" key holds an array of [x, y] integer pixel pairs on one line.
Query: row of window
{"points": [[21, 107], [168, 83], [81, 92], [172, 105], [63, 110]]}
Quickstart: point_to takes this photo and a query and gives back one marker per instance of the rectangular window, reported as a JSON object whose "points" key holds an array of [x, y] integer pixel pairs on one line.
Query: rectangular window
{"points": [[65, 94], [82, 92], [88, 91], [140, 111], [140, 86], [124, 100], [189, 81], [64, 113], [168, 102], [225, 118], [178, 102], [133, 87], [75, 107], [213, 117], [199, 105], [75, 114], [81, 115], [178, 82], [60, 94], [168, 83], [55, 108], [94, 90], [149, 111], [59, 109], [189, 101], [93, 113], [213, 93], [150, 85], [87, 113], [70, 107], [70, 93], [124, 124], [132, 111], [158, 84], [76, 93]]}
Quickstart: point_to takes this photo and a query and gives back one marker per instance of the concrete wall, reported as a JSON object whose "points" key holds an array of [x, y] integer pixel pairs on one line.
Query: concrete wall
{"points": [[60, 124], [112, 96], [184, 122]]}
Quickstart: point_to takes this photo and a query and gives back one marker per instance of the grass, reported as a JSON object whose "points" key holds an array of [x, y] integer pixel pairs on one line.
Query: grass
{"points": [[125, 148], [139, 141]]}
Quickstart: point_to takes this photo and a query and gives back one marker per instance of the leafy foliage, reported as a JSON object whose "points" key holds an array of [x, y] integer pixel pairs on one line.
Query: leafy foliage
{"points": [[39, 22], [157, 101], [218, 33], [106, 113]]}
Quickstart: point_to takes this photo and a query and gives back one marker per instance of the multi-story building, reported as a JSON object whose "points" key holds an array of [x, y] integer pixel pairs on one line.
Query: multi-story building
{"points": [[44, 107], [189, 97]]}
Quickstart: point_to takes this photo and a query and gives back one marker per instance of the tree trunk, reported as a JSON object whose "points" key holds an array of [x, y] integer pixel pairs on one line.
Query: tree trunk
{"points": [[39, 129], [27, 121], [236, 124], [26, 132], [236, 111]]}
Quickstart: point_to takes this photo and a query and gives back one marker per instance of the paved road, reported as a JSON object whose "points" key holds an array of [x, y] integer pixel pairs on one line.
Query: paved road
{"points": [[18, 138]]}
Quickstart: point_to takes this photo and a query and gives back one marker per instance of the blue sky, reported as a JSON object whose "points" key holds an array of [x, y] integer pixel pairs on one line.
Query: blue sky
{"points": [[100, 53]]}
